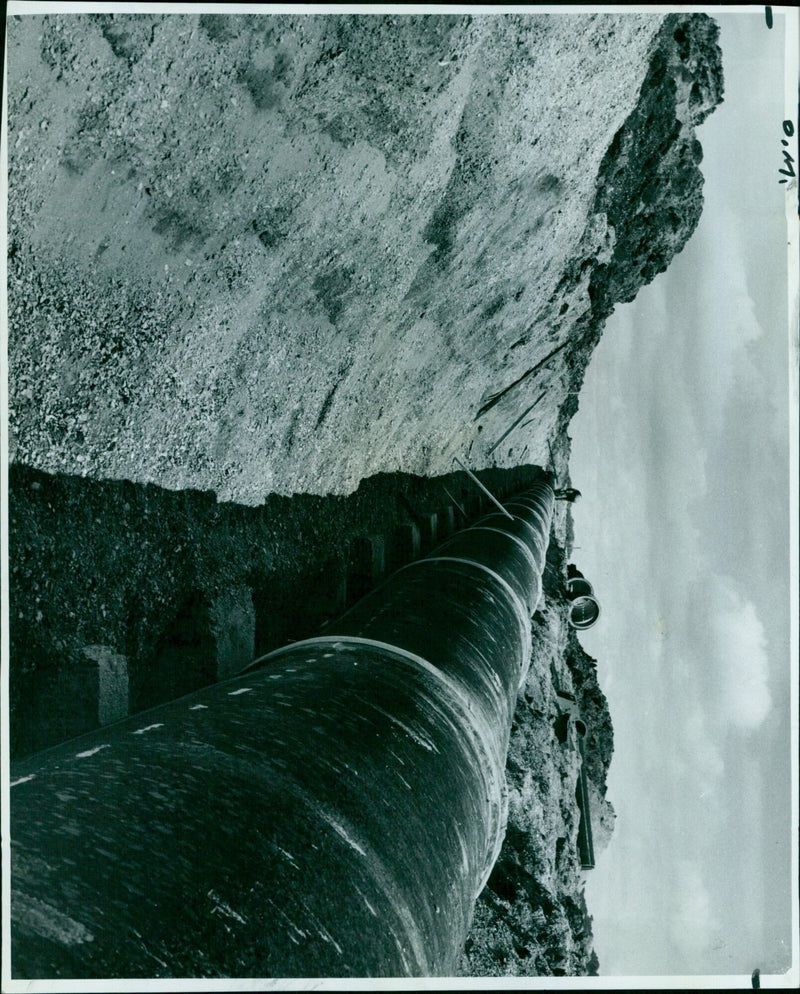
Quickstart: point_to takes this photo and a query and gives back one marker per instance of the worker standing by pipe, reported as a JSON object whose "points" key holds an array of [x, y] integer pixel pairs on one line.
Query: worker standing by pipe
{"points": [[334, 810]]}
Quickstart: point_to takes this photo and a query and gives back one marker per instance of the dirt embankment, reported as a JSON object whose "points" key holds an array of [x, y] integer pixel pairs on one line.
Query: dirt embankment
{"points": [[277, 254]]}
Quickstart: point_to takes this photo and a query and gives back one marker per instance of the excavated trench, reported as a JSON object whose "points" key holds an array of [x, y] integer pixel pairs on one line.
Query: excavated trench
{"points": [[360, 800], [88, 549], [181, 590]]}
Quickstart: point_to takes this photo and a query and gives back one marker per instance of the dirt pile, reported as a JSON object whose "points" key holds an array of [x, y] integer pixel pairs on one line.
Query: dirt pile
{"points": [[281, 254]]}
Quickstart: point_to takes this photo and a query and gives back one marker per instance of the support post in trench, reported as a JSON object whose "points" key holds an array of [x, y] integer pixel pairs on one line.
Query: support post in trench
{"points": [[332, 811]]}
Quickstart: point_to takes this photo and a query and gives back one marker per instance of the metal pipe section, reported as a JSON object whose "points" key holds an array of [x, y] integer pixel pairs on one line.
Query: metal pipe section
{"points": [[332, 811], [584, 607], [585, 842]]}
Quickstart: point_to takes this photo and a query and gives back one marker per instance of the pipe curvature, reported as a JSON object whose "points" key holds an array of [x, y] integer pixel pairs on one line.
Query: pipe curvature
{"points": [[332, 811]]}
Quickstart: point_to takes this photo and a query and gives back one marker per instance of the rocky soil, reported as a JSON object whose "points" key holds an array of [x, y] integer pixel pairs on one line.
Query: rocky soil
{"points": [[271, 254], [532, 919], [253, 257]]}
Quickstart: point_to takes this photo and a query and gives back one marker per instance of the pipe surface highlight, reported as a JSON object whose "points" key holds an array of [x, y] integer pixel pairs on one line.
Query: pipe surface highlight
{"points": [[332, 811]]}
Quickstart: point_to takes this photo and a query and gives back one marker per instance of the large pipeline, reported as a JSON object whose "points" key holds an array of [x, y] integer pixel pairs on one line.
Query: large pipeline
{"points": [[332, 811]]}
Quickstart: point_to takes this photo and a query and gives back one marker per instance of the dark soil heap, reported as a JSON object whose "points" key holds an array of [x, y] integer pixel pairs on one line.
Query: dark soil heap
{"points": [[649, 185]]}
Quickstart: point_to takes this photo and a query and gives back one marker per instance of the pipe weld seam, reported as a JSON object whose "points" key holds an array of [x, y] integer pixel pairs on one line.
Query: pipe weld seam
{"points": [[407, 655], [465, 704], [499, 531], [471, 718], [530, 507], [521, 609], [540, 515]]}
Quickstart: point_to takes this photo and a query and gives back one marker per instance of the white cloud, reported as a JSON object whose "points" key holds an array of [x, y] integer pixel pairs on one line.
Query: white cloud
{"points": [[740, 649], [692, 923], [703, 754], [672, 446]]}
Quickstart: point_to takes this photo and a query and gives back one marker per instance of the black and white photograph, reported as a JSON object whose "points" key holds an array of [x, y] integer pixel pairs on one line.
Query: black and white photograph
{"points": [[399, 499]]}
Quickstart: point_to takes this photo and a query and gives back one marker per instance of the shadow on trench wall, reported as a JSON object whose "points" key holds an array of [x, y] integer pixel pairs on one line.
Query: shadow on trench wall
{"points": [[125, 595]]}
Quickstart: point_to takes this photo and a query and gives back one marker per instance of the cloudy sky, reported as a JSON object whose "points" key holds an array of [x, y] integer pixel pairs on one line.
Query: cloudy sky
{"points": [[681, 449]]}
